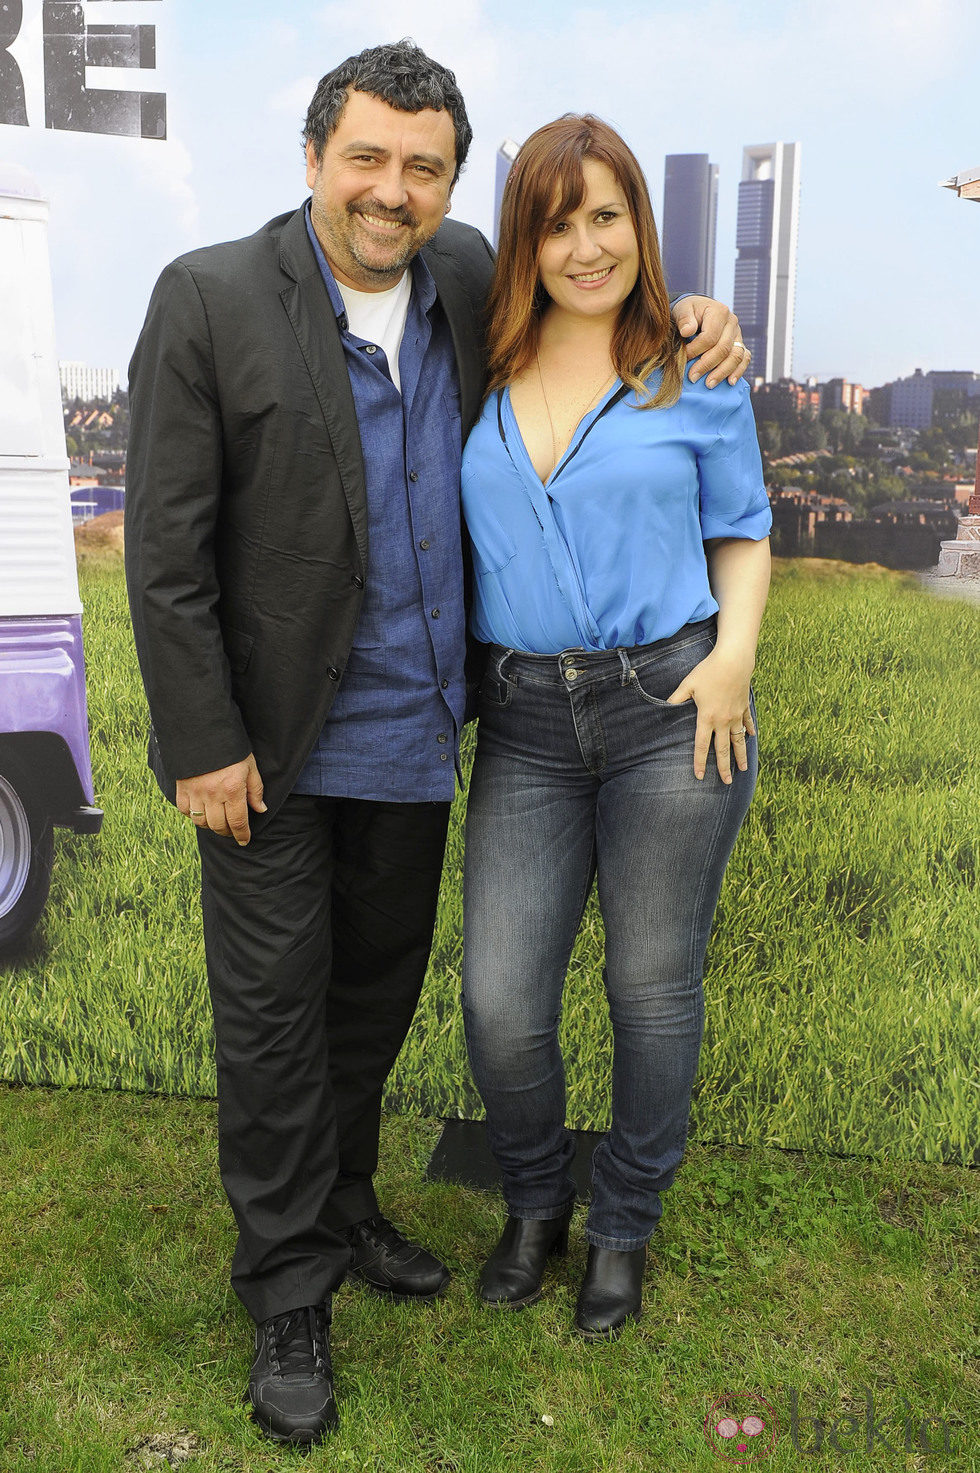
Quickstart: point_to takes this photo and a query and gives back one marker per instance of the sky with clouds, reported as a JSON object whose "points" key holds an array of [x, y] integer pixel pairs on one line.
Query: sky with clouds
{"points": [[881, 97]]}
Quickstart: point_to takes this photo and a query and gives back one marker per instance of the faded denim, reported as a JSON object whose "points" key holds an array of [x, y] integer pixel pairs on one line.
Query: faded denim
{"points": [[583, 770]]}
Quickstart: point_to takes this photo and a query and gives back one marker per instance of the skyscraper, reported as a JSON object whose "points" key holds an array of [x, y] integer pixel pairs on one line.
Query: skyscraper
{"points": [[78, 381], [765, 268], [688, 227], [506, 154]]}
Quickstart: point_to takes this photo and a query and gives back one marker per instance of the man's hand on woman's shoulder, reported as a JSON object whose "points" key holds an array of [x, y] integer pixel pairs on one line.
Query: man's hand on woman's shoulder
{"points": [[715, 344]]}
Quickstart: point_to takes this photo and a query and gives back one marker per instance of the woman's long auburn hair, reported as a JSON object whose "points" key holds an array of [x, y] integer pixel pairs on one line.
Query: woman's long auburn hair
{"points": [[547, 183]]}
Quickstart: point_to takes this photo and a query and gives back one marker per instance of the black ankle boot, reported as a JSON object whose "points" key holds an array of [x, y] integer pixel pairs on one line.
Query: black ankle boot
{"points": [[511, 1276], [611, 1293]]}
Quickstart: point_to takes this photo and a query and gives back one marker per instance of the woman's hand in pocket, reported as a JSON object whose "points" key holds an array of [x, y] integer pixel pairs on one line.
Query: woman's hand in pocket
{"points": [[719, 687]]}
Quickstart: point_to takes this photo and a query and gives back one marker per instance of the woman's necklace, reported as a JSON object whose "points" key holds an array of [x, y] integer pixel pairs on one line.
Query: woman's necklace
{"points": [[578, 417]]}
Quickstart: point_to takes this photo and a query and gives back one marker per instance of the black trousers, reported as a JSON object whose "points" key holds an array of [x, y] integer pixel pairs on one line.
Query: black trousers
{"points": [[317, 936]]}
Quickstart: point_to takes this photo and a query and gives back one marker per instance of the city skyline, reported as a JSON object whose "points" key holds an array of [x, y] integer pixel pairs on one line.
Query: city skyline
{"points": [[766, 239], [887, 278]]}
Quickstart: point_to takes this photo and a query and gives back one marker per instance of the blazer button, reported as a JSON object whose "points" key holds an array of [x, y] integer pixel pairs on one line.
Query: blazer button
{"points": [[333, 672], [357, 581]]}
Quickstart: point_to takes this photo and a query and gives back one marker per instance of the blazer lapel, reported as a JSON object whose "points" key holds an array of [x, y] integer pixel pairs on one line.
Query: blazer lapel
{"points": [[467, 336], [308, 308]]}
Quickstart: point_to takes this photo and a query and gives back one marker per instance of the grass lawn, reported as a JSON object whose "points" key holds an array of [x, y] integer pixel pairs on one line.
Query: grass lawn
{"points": [[842, 1005], [807, 1281]]}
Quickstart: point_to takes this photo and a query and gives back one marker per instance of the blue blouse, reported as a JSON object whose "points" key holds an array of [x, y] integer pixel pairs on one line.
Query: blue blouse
{"points": [[609, 552]]}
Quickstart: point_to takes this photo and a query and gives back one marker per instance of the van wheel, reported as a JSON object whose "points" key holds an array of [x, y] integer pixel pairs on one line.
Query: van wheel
{"points": [[26, 852]]}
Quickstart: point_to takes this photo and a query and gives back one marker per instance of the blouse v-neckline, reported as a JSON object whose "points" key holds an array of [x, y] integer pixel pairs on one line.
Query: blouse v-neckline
{"points": [[616, 389]]}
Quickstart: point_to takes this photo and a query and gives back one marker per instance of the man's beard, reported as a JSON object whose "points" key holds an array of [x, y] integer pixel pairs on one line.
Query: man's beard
{"points": [[396, 266]]}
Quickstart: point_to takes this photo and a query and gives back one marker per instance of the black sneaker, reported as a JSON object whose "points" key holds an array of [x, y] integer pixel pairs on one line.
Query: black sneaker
{"points": [[291, 1384], [384, 1258]]}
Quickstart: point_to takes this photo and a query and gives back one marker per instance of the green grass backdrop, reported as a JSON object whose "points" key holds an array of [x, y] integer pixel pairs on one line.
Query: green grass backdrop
{"points": [[842, 1007]]}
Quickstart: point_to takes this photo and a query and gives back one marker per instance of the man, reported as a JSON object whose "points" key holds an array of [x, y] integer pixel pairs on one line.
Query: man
{"points": [[295, 566]]}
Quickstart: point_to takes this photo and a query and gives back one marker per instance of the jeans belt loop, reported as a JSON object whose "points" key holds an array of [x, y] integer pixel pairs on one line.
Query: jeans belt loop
{"points": [[624, 660]]}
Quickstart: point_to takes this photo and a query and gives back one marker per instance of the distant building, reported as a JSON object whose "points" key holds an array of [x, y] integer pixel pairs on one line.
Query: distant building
{"points": [[79, 381], [838, 393], [506, 154], [925, 399], [916, 514], [955, 378], [910, 403], [783, 402], [689, 223], [765, 269], [898, 534], [878, 404]]}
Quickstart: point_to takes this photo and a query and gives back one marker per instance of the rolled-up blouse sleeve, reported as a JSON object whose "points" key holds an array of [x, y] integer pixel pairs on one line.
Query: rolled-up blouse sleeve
{"points": [[733, 499]]}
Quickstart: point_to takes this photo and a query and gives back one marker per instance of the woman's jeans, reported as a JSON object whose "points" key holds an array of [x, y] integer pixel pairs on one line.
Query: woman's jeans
{"points": [[583, 769]]}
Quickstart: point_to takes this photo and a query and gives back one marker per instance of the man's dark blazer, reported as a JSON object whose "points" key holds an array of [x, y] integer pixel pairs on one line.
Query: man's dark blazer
{"points": [[246, 509]]}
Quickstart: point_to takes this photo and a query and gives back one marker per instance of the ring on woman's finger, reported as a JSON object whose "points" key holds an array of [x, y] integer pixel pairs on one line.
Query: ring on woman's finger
{"points": [[739, 345], [739, 735], [198, 814]]}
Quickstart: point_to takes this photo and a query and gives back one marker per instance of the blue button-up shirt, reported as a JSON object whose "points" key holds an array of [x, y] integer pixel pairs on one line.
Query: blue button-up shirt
{"points": [[609, 552], [393, 731]]}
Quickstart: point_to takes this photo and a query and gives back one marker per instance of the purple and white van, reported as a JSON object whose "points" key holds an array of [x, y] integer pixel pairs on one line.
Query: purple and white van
{"points": [[45, 767]]}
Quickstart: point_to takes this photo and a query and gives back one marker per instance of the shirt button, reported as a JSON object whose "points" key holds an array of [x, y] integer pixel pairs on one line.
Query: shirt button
{"points": [[444, 684], [435, 613], [441, 737], [424, 544], [413, 475], [443, 757], [357, 581], [370, 348], [334, 673]]}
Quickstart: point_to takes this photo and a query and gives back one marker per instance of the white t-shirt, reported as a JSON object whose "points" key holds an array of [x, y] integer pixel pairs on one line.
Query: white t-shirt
{"points": [[379, 317]]}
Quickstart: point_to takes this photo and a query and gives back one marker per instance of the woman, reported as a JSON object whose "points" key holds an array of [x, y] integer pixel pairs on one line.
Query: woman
{"points": [[619, 526]]}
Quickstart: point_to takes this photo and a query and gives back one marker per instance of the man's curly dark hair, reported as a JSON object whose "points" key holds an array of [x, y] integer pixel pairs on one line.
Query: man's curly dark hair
{"points": [[400, 74]]}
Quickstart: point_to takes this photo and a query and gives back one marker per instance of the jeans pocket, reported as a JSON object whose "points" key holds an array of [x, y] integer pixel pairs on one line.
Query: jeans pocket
{"points": [[656, 677], [495, 690]]}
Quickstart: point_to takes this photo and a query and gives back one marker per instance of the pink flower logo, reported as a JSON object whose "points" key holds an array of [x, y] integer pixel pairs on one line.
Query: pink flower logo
{"points": [[741, 1427]]}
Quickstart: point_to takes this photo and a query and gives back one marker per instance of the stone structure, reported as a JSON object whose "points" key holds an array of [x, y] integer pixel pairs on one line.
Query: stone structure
{"points": [[961, 558]]}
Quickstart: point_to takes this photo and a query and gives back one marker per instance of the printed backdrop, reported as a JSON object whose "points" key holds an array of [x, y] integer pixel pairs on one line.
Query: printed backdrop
{"points": [[842, 1008]]}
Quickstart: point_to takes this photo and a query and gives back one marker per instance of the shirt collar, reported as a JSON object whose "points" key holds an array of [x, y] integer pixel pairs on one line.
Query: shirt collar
{"points": [[423, 286]]}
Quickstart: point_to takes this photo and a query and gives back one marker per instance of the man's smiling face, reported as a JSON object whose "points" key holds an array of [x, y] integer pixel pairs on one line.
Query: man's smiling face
{"points": [[381, 189]]}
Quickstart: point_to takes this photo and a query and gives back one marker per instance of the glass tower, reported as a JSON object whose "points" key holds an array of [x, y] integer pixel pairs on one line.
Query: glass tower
{"points": [[689, 223], [765, 267]]}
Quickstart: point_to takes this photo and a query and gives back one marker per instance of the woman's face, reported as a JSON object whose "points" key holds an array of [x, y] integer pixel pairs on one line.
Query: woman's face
{"points": [[590, 260]]}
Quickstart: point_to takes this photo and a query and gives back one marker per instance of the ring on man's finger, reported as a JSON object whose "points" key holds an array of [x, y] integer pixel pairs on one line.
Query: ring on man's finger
{"points": [[739, 345], [198, 814], [740, 733]]}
